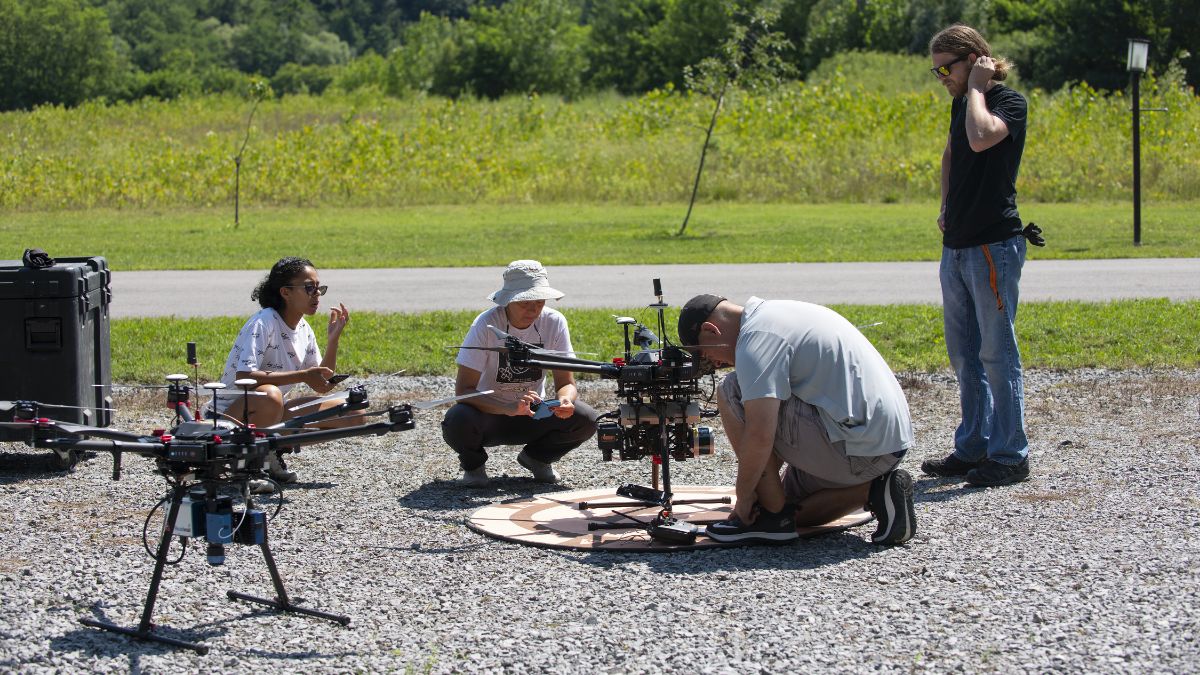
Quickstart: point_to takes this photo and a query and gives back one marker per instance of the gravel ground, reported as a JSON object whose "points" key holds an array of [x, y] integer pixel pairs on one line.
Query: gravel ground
{"points": [[1092, 565]]}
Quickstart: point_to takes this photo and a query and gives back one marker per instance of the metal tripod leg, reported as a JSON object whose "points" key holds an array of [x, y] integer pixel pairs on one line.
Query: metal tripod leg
{"points": [[144, 631], [281, 601]]}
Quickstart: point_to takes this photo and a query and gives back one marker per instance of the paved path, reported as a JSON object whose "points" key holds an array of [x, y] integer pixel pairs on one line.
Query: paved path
{"points": [[221, 293]]}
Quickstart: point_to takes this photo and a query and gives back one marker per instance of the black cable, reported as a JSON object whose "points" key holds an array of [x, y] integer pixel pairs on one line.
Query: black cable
{"points": [[146, 530]]}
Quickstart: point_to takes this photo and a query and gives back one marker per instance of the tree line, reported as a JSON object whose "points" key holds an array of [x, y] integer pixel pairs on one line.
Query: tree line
{"points": [[69, 51]]}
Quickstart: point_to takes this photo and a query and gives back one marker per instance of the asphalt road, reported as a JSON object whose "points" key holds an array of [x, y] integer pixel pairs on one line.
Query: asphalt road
{"points": [[227, 293]]}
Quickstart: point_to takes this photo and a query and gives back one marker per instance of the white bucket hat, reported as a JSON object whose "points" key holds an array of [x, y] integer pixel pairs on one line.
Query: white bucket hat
{"points": [[525, 280]]}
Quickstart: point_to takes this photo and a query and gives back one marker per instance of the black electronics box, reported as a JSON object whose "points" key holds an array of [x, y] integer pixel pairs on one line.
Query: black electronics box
{"points": [[54, 339]]}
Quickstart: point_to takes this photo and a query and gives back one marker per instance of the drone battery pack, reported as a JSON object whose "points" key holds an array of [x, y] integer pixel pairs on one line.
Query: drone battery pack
{"points": [[54, 340], [187, 451]]}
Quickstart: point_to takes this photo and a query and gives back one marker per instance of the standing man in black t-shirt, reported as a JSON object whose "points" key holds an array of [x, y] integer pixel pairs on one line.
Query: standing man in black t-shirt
{"points": [[983, 250]]}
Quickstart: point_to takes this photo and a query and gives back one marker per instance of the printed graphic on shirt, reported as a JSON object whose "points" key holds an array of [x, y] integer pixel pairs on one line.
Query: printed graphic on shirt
{"points": [[508, 373]]}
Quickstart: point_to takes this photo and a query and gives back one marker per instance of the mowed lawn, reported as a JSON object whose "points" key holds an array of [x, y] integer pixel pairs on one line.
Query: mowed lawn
{"points": [[1120, 334], [569, 234]]}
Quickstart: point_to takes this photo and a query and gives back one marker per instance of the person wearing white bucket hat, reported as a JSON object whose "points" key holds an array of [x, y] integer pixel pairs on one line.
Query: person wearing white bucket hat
{"points": [[517, 412]]}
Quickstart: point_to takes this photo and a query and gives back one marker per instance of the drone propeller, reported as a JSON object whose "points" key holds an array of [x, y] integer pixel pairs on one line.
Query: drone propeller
{"points": [[536, 351], [426, 405], [501, 334], [533, 349], [340, 396], [236, 393], [6, 406]]}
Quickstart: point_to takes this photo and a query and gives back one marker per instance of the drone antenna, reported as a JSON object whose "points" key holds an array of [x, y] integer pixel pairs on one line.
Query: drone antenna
{"points": [[660, 306], [177, 393], [191, 359], [214, 387], [245, 384], [625, 322]]}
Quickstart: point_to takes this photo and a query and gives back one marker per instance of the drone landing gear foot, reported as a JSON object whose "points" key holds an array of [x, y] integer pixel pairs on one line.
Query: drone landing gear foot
{"points": [[281, 601], [146, 634], [144, 631]]}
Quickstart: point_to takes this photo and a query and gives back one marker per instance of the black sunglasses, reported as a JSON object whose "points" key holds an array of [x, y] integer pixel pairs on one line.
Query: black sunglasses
{"points": [[944, 70], [310, 289]]}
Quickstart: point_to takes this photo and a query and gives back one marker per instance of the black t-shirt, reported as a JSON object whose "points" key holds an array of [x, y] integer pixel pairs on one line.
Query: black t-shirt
{"points": [[981, 206]]}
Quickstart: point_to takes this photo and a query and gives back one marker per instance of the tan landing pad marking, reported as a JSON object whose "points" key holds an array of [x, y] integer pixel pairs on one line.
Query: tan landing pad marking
{"points": [[556, 521]]}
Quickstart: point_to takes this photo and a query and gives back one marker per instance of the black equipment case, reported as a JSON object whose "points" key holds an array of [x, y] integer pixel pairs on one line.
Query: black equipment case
{"points": [[54, 340]]}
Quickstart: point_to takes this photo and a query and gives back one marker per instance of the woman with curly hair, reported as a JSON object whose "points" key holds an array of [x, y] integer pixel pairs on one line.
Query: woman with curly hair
{"points": [[277, 348]]}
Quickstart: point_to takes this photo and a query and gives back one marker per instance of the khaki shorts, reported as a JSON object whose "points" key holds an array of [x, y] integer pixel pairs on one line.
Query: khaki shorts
{"points": [[801, 441]]}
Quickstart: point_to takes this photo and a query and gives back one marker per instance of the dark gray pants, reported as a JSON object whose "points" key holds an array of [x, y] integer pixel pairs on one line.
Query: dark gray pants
{"points": [[469, 430]]}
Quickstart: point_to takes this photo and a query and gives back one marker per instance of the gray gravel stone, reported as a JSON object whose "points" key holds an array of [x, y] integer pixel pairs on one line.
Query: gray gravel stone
{"points": [[1092, 565]]}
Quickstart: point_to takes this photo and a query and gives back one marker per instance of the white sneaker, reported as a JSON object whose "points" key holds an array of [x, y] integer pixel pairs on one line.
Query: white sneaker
{"points": [[476, 478], [542, 472]]}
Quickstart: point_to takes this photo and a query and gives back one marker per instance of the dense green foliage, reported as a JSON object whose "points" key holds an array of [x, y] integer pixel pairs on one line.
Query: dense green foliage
{"points": [[65, 51], [831, 140], [1122, 334], [570, 234]]}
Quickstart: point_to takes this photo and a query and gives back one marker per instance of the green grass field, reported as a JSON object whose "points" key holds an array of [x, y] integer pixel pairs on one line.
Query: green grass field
{"points": [[1131, 333], [564, 234]]}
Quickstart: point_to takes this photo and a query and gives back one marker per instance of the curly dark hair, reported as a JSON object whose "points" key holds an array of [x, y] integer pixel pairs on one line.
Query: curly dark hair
{"points": [[281, 274]]}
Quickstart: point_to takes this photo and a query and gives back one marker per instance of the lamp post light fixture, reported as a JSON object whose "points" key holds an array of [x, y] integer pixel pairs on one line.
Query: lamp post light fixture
{"points": [[1136, 64]]}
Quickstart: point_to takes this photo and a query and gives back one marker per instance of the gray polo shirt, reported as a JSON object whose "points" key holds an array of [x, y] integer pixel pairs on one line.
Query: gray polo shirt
{"points": [[789, 348]]}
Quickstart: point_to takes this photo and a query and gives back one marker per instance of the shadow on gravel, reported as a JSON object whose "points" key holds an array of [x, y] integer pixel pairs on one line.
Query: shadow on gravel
{"points": [[16, 467], [102, 643], [805, 554], [448, 495], [298, 656], [940, 489]]}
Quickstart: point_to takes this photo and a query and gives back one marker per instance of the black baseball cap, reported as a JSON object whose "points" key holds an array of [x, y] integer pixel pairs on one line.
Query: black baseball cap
{"points": [[695, 312]]}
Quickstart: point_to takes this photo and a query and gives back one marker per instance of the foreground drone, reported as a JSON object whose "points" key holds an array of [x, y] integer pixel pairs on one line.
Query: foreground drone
{"points": [[208, 465]]}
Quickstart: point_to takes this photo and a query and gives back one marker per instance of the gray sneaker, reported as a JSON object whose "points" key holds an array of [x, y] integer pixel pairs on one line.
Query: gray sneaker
{"points": [[260, 486], [476, 478], [277, 469], [542, 472]]}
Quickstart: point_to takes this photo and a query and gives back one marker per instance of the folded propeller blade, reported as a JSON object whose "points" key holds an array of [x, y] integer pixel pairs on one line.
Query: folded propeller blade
{"points": [[426, 405], [340, 396]]}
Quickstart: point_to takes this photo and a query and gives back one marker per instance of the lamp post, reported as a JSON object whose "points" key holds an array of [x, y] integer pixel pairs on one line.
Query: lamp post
{"points": [[1136, 64]]}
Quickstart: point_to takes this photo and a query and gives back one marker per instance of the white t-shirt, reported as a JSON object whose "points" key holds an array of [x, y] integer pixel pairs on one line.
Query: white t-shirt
{"points": [[268, 344], [787, 347], [549, 330]]}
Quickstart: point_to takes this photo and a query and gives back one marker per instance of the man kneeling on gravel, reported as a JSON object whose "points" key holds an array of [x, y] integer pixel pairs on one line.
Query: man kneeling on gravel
{"points": [[518, 413], [809, 390]]}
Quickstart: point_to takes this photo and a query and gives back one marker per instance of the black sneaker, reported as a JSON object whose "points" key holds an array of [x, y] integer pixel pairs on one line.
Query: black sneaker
{"points": [[951, 466], [990, 473], [890, 499], [768, 528]]}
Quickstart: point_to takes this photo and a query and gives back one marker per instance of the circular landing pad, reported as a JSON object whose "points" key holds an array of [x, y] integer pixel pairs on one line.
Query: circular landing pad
{"points": [[557, 521]]}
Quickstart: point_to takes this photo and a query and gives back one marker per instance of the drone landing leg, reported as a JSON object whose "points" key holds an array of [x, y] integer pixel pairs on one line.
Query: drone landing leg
{"points": [[144, 631], [282, 602]]}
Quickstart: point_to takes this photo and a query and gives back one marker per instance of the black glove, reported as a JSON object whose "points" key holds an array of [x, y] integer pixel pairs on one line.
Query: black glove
{"points": [[1034, 234], [36, 257]]}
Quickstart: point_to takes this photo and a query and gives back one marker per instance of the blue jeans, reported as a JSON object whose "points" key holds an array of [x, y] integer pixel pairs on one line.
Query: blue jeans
{"points": [[979, 306]]}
